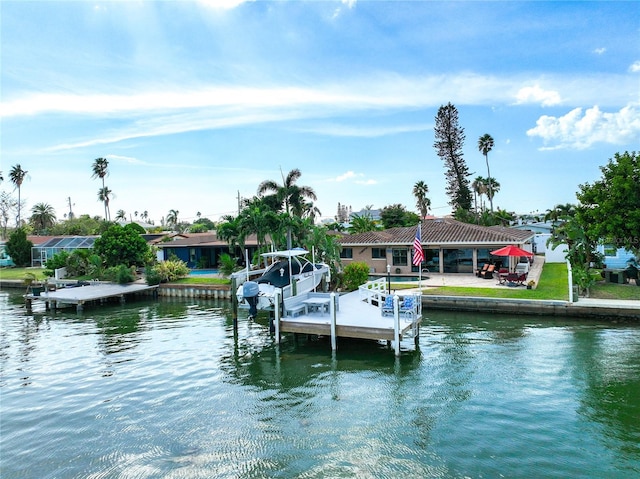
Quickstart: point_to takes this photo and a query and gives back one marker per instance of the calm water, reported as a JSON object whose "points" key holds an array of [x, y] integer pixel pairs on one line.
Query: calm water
{"points": [[165, 390]]}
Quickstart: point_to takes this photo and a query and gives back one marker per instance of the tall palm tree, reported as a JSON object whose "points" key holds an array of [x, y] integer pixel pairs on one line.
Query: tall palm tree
{"points": [[289, 194], [104, 195], [485, 145], [17, 176], [420, 190], [100, 170], [43, 216]]}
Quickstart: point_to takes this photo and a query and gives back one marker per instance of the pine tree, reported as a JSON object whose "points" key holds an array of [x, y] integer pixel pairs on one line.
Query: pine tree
{"points": [[448, 144]]}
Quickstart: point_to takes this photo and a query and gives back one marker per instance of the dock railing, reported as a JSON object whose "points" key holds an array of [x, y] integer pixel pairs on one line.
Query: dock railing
{"points": [[373, 291]]}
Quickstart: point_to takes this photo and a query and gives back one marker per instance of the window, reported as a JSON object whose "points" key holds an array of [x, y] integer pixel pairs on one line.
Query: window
{"points": [[400, 257], [378, 253], [346, 253], [192, 255]]}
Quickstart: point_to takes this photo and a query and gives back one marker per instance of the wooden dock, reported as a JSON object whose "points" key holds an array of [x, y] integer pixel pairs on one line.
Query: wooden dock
{"points": [[81, 295], [358, 315]]}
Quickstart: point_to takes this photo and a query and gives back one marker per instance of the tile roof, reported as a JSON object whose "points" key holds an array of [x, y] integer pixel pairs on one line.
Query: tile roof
{"points": [[441, 231]]}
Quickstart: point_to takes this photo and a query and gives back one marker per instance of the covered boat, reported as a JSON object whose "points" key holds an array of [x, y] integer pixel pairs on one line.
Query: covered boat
{"points": [[290, 273]]}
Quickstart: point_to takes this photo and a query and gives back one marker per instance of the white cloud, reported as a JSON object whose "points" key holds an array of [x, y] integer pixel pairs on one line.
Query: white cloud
{"points": [[366, 131], [346, 176], [535, 94], [599, 51], [580, 130], [358, 178], [222, 4], [348, 3], [635, 67]]}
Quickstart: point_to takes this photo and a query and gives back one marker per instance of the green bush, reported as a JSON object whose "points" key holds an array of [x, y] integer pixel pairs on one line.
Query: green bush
{"points": [[354, 275], [121, 274], [227, 265], [19, 248], [152, 276], [169, 270]]}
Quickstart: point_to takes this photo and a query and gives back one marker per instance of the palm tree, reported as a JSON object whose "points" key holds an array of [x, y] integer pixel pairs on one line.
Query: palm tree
{"points": [[493, 187], [43, 216], [362, 224], [172, 218], [289, 194], [420, 190], [104, 195], [485, 145], [479, 186], [100, 170], [17, 175], [121, 215]]}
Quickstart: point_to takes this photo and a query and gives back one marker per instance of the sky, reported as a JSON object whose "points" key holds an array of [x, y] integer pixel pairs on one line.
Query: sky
{"points": [[195, 103]]}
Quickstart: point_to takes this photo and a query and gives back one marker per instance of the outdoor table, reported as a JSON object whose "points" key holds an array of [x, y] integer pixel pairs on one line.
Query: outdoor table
{"points": [[317, 303]]}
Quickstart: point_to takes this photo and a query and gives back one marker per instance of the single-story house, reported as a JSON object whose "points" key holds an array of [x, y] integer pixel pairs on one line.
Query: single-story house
{"points": [[449, 246], [202, 250]]}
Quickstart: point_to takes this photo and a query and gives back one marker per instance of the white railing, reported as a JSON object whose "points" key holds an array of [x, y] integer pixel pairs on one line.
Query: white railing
{"points": [[373, 291]]}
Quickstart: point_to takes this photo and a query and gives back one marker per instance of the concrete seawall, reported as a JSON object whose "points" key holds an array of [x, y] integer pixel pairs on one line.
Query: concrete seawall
{"points": [[584, 308]]}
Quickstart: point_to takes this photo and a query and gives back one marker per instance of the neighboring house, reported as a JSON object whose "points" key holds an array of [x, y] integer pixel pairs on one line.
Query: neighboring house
{"points": [[615, 258], [543, 233], [5, 259], [202, 250], [45, 247], [449, 246]]}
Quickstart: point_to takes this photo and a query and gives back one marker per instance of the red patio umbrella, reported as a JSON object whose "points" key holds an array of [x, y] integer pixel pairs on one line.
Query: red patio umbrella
{"points": [[511, 250]]}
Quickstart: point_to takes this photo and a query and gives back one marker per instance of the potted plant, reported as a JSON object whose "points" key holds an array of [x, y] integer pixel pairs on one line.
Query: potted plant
{"points": [[531, 284]]}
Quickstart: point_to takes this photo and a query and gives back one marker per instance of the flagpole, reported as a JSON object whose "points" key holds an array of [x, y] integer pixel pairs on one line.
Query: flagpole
{"points": [[418, 256]]}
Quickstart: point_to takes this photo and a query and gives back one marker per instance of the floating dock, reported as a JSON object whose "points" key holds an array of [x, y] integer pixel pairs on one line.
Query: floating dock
{"points": [[353, 315], [86, 294]]}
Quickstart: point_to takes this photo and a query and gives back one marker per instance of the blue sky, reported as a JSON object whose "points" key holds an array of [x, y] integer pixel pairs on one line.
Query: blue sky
{"points": [[195, 103]]}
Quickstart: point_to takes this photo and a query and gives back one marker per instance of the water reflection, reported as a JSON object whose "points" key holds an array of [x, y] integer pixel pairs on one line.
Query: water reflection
{"points": [[170, 389], [608, 362]]}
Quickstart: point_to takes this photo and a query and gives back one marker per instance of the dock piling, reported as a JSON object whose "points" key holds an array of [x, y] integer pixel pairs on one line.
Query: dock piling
{"points": [[396, 324], [332, 313]]}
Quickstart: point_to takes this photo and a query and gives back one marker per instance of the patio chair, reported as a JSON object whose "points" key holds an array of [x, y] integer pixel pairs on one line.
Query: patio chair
{"points": [[481, 270], [387, 306], [408, 307], [488, 274]]}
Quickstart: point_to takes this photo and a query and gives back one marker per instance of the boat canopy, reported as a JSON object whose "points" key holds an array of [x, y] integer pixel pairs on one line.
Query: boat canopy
{"points": [[289, 253]]}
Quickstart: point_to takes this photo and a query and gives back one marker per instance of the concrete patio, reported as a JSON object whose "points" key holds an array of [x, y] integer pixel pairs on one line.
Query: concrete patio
{"points": [[471, 280]]}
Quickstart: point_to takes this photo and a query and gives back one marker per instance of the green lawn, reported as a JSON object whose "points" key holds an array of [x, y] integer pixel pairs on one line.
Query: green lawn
{"points": [[553, 285], [20, 273]]}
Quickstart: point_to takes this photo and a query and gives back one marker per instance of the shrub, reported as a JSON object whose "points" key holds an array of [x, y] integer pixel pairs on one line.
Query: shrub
{"points": [[19, 248], [355, 274], [152, 276], [121, 274], [170, 270], [227, 265]]}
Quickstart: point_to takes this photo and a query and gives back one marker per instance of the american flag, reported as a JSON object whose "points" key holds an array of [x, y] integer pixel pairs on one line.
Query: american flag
{"points": [[418, 255]]}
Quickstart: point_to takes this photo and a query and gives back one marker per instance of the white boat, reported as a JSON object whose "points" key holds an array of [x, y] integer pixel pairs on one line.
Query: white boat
{"points": [[290, 273]]}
